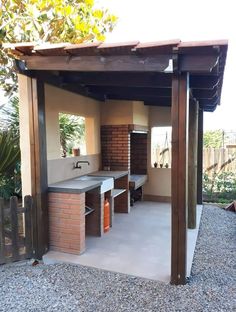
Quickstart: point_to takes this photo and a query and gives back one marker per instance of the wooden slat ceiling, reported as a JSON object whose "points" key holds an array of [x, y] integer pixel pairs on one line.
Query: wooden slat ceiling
{"points": [[128, 70]]}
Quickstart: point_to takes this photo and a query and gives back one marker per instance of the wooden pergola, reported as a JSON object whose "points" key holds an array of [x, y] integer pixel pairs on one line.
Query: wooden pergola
{"points": [[187, 76]]}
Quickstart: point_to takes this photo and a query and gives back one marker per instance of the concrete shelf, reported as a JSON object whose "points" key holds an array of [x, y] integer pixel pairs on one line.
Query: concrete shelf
{"points": [[117, 192]]}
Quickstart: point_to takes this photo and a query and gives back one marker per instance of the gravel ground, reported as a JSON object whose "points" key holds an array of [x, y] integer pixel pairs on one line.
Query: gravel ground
{"points": [[212, 286]]}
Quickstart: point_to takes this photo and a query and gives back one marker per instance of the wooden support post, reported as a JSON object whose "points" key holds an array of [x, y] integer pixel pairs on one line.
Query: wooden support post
{"points": [[192, 164], [179, 177], [200, 157], [2, 232], [40, 165], [34, 157]]}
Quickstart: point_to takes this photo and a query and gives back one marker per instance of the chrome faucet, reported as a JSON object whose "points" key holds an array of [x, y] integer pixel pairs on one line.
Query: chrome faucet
{"points": [[76, 165]]}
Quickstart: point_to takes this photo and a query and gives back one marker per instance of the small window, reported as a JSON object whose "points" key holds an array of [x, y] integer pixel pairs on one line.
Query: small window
{"points": [[161, 147], [72, 135]]}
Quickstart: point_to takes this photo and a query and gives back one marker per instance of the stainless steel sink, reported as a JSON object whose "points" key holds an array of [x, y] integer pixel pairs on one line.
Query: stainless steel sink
{"points": [[107, 183]]}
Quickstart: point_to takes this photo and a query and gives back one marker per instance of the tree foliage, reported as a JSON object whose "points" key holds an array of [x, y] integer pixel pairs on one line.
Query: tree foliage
{"points": [[72, 128], [38, 21], [53, 21], [9, 164], [9, 117], [213, 138]]}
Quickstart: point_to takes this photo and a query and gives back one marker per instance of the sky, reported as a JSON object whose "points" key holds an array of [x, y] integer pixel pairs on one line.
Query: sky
{"points": [[188, 20]]}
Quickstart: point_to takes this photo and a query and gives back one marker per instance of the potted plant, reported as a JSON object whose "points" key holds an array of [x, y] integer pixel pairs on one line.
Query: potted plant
{"points": [[76, 151]]}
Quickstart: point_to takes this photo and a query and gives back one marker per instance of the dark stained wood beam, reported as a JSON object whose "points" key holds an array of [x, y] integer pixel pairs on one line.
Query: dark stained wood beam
{"points": [[200, 157], [157, 102], [208, 104], [205, 94], [203, 82], [118, 79], [150, 80], [198, 63], [121, 63], [116, 63], [58, 81], [130, 91], [192, 163], [152, 101], [179, 176]]}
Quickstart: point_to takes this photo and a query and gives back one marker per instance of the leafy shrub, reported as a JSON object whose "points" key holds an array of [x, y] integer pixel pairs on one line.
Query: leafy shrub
{"points": [[220, 187]]}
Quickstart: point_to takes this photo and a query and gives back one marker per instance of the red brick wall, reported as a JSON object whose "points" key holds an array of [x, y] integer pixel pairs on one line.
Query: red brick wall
{"points": [[138, 153], [115, 145], [67, 222]]}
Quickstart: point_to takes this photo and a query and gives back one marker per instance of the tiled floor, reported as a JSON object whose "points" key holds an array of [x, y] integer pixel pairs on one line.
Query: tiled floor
{"points": [[138, 244]]}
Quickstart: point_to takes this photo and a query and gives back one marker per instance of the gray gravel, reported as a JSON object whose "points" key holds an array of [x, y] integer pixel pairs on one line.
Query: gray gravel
{"points": [[212, 286]]}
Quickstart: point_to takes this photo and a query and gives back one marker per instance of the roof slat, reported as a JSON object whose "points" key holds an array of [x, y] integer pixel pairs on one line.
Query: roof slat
{"points": [[83, 48], [157, 46], [57, 49], [207, 43], [22, 48], [117, 48], [204, 60]]}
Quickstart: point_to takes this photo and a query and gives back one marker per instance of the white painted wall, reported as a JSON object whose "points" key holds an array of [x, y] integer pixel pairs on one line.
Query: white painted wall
{"points": [[117, 112], [25, 110], [63, 168], [140, 114], [159, 179]]}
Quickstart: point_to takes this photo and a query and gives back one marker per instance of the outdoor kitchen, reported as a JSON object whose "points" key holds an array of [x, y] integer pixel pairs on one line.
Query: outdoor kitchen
{"points": [[122, 92]]}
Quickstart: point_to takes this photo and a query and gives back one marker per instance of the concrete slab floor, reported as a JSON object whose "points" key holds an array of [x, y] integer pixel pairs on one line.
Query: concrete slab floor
{"points": [[138, 244]]}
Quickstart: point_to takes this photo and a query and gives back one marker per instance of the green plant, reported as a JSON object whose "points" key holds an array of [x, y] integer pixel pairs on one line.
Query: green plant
{"points": [[38, 21], [9, 164], [9, 117], [72, 128], [220, 187], [54, 21], [213, 138]]}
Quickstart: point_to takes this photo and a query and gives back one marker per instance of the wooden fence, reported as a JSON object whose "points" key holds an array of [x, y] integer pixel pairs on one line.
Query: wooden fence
{"points": [[16, 230], [219, 159], [214, 159]]}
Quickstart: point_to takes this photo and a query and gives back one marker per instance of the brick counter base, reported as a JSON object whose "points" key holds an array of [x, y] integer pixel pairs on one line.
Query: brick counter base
{"points": [[67, 222]]}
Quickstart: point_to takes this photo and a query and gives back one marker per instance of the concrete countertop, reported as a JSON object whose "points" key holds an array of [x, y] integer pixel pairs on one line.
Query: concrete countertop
{"points": [[73, 186], [137, 180], [112, 174]]}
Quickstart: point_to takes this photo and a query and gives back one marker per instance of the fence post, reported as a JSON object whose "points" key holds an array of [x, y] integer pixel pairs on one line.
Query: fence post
{"points": [[28, 225], [14, 227], [2, 233]]}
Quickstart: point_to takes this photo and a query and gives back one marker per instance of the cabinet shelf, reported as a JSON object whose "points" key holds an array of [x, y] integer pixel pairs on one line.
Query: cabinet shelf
{"points": [[117, 192]]}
